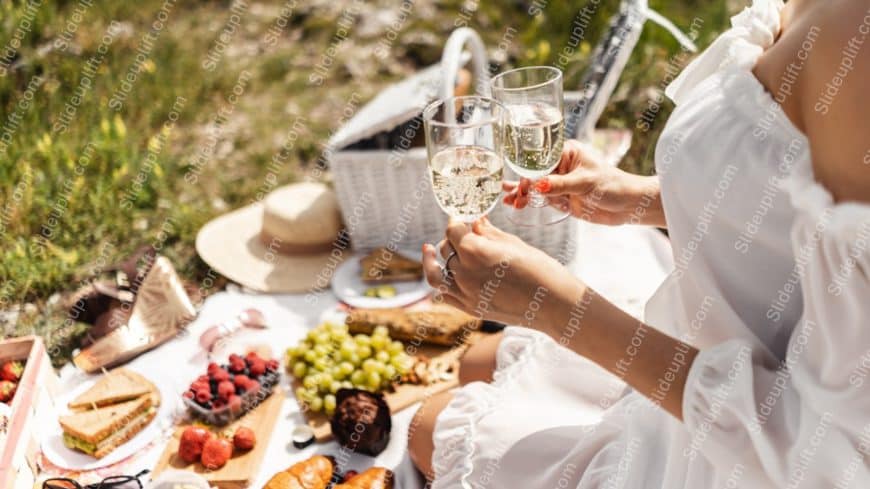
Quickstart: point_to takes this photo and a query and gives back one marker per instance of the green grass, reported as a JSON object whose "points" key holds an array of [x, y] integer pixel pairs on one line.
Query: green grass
{"points": [[58, 218]]}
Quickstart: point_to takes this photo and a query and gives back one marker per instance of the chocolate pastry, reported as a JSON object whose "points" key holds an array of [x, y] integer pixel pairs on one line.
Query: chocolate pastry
{"points": [[361, 421]]}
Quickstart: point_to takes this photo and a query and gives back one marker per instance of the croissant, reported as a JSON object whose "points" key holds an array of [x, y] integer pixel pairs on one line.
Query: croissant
{"points": [[373, 478], [313, 473]]}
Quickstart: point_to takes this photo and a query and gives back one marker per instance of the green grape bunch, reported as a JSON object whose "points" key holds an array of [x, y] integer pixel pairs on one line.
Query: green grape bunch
{"points": [[330, 358]]}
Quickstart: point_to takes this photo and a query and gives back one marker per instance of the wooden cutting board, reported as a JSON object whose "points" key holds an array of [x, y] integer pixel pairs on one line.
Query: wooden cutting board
{"points": [[242, 468], [405, 394]]}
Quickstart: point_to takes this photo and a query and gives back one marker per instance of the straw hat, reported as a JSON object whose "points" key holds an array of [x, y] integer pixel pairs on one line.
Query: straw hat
{"points": [[290, 242]]}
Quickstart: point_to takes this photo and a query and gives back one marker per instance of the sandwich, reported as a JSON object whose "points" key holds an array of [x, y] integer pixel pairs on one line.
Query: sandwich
{"points": [[117, 386], [97, 432], [111, 412], [384, 265]]}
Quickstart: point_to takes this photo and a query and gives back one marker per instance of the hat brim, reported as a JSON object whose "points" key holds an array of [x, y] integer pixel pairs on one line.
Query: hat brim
{"points": [[231, 245]]}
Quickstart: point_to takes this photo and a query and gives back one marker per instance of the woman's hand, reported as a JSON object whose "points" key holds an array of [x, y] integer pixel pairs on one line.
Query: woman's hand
{"points": [[495, 275], [596, 192]]}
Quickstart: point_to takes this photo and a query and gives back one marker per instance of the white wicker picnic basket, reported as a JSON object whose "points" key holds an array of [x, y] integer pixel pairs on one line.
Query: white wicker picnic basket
{"points": [[379, 167], [378, 159]]}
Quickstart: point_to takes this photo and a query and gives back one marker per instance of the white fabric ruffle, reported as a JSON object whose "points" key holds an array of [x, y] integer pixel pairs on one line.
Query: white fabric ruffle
{"points": [[456, 432], [753, 30]]}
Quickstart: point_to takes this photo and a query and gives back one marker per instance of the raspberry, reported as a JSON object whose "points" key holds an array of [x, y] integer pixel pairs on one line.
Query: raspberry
{"points": [[226, 389], [235, 404], [221, 375], [272, 365], [203, 396], [241, 381], [258, 368]]}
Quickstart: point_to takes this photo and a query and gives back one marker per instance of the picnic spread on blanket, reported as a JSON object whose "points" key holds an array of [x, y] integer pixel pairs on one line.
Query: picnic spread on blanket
{"points": [[302, 373]]}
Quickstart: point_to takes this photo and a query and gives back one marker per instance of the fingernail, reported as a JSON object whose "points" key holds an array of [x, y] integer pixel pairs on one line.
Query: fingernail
{"points": [[543, 185]]}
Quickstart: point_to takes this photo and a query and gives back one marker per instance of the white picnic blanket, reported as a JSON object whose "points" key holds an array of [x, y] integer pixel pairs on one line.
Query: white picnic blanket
{"points": [[625, 264]]}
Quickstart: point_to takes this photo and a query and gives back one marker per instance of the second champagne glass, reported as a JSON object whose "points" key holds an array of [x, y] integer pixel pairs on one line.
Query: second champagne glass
{"points": [[534, 136]]}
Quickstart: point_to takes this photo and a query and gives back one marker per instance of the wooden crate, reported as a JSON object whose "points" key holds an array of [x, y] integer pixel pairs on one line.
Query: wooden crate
{"points": [[32, 408]]}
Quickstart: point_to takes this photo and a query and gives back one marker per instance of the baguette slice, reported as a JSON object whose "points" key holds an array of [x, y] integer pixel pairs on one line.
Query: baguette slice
{"points": [[439, 325], [119, 385], [384, 265], [96, 425]]}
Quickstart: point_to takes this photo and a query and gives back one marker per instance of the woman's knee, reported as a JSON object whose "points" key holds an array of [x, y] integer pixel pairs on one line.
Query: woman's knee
{"points": [[478, 363], [421, 444]]}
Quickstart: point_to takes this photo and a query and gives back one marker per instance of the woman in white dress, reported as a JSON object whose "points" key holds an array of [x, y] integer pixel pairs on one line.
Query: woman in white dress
{"points": [[750, 365]]}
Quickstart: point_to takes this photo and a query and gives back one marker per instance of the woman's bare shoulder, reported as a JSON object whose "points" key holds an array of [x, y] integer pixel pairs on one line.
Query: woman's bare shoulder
{"points": [[835, 104]]}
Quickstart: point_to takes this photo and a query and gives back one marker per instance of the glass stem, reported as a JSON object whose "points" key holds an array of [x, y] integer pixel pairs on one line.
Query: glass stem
{"points": [[536, 199]]}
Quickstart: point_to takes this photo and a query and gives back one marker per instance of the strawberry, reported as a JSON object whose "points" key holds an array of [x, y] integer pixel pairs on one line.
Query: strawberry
{"points": [[192, 441], [244, 438], [236, 358], [188, 395], [216, 452], [212, 368], [253, 386], [7, 390], [11, 371], [251, 357]]}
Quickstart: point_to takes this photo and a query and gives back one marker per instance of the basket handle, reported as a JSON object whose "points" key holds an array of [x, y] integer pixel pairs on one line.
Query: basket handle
{"points": [[451, 59]]}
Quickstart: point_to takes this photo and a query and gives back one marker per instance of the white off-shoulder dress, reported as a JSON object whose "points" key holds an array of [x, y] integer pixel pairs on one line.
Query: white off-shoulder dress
{"points": [[771, 284]]}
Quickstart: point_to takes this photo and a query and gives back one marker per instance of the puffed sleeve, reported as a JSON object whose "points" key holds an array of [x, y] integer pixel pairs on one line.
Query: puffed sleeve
{"points": [[803, 422]]}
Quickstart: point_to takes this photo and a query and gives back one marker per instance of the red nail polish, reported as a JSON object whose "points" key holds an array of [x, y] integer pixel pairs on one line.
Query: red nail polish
{"points": [[543, 185]]}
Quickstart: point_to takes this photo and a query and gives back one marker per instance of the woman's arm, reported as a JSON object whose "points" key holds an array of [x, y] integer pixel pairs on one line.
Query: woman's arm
{"points": [[652, 362], [497, 275], [596, 192]]}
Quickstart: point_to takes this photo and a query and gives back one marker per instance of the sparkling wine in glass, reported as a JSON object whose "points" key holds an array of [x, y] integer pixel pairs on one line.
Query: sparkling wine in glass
{"points": [[534, 136], [464, 140]]}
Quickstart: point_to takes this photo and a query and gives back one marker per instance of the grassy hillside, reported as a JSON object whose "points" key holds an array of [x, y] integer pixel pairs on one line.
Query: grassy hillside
{"points": [[127, 123]]}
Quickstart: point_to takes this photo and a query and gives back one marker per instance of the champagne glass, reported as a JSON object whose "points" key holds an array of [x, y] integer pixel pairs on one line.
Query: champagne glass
{"points": [[534, 136], [465, 145]]}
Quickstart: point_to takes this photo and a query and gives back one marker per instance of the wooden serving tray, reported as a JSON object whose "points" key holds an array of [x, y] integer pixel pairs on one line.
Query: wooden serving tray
{"points": [[404, 395], [242, 468]]}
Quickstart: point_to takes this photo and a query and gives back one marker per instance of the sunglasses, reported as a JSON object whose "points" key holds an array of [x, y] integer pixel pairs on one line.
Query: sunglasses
{"points": [[249, 318], [114, 482]]}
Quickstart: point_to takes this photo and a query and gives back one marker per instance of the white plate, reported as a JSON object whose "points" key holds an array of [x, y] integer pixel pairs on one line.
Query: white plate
{"points": [[58, 454], [349, 287]]}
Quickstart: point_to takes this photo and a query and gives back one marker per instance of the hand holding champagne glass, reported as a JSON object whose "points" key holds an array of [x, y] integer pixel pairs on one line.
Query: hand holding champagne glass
{"points": [[534, 135]]}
